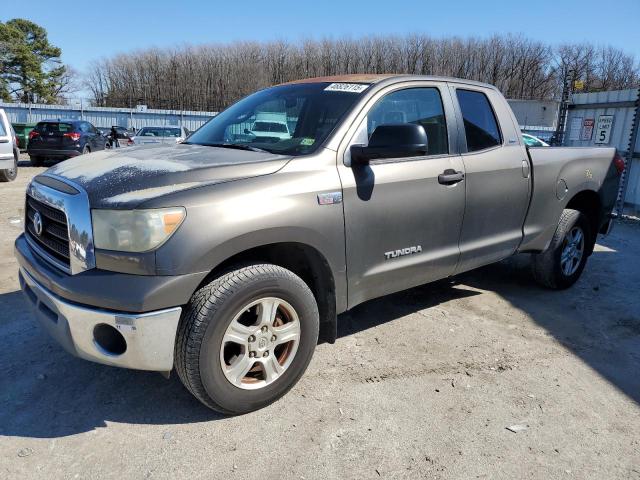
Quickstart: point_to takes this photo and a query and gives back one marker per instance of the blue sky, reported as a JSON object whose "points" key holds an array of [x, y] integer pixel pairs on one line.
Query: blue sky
{"points": [[88, 30]]}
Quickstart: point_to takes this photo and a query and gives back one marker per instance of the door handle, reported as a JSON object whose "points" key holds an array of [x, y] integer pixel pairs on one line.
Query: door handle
{"points": [[450, 177]]}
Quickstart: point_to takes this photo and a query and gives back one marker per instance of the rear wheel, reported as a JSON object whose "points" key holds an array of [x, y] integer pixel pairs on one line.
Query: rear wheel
{"points": [[10, 174], [36, 161], [86, 150], [246, 338], [562, 263]]}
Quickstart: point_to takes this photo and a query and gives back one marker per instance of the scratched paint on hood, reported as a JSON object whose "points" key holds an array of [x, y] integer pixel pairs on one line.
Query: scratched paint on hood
{"points": [[148, 193], [126, 177]]}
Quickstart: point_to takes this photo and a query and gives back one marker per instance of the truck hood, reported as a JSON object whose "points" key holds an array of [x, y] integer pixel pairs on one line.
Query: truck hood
{"points": [[125, 178]]}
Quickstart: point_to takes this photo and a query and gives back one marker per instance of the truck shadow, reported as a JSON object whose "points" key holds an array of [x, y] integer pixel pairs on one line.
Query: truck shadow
{"points": [[597, 320], [46, 393]]}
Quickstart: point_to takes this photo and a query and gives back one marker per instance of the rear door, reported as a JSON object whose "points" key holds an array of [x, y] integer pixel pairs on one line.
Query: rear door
{"points": [[497, 179], [402, 224], [97, 140]]}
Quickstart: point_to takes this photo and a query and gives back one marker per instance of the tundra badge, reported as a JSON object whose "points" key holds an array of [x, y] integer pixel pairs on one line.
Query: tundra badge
{"points": [[403, 251]]}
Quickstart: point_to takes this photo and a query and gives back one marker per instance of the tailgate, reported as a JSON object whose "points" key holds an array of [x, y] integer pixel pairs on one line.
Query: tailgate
{"points": [[52, 134]]}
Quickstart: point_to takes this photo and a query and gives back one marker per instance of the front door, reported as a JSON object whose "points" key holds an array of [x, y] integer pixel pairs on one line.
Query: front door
{"points": [[402, 224]]}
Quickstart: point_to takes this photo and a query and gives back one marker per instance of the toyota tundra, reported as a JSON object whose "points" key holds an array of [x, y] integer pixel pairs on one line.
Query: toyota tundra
{"points": [[228, 255]]}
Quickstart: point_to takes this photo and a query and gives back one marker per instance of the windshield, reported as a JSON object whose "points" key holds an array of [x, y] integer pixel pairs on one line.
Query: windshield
{"points": [[289, 119]]}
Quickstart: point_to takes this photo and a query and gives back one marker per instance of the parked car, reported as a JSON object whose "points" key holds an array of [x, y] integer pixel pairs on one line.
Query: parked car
{"points": [[159, 135], [270, 125], [22, 132], [9, 152], [166, 134], [531, 141], [123, 134], [62, 139], [228, 258]]}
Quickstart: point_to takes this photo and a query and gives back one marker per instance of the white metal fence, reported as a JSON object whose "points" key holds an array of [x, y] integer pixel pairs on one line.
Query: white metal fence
{"points": [[105, 116]]}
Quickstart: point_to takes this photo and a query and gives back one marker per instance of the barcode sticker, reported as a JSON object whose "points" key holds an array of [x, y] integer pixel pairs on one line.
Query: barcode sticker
{"points": [[346, 87]]}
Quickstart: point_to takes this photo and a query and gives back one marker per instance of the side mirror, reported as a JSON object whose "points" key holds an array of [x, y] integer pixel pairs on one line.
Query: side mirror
{"points": [[392, 141]]}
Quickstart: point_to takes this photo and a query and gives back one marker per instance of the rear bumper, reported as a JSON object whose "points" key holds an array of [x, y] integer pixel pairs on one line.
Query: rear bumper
{"points": [[6, 163], [149, 338], [47, 152]]}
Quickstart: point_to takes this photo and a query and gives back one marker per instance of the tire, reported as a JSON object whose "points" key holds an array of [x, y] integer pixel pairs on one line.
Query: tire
{"points": [[36, 161], [10, 174], [201, 356], [547, 266], [86, 150]]}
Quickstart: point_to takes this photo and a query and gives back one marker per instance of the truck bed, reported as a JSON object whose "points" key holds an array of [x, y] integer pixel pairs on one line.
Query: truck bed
{"points": [[558, 175]]}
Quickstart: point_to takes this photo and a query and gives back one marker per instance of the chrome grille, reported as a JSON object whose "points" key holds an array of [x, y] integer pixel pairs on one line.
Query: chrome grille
{"points": [[54, 238]]}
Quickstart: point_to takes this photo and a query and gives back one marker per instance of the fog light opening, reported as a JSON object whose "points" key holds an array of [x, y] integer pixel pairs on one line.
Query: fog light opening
{"points": [[109, 339]]}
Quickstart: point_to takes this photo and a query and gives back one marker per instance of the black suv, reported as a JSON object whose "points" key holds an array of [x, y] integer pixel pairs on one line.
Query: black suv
{"points": [[62, 139]]}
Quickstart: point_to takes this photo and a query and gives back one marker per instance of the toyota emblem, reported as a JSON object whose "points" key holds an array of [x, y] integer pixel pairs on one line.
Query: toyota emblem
{"points": [[37, 223]]}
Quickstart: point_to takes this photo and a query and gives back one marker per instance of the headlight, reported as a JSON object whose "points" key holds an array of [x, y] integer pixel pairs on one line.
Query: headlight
{"points": [[135, 230]]}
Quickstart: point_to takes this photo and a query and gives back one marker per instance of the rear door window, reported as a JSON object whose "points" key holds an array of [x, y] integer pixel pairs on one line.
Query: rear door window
{"points": [[3, 131], [480, 124]]}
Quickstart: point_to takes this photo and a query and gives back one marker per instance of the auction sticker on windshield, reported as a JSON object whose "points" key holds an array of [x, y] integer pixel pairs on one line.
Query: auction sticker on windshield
{"points": [[346, 87]]}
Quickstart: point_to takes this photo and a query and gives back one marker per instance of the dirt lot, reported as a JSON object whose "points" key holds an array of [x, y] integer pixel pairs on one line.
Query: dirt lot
{"points": [[421, 384]]}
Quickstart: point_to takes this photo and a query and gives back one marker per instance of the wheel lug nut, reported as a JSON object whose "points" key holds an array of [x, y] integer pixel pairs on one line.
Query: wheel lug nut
{"points": [[252, 338], [265, 354], [273, 338], [252, 354], [264, 329]]}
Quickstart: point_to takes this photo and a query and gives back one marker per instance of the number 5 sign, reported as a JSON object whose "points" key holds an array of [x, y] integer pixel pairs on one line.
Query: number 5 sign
{"points": [[603, 129]]}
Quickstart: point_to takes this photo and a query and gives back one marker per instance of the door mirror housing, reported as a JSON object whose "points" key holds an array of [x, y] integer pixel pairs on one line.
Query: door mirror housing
{"points": [[392, 141]]}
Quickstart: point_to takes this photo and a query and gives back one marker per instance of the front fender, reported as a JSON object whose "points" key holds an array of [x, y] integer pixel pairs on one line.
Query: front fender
{"points": [[227, 219]]}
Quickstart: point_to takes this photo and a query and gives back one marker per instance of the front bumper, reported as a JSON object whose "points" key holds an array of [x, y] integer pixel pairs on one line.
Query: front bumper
{"points": [[96, 335]]}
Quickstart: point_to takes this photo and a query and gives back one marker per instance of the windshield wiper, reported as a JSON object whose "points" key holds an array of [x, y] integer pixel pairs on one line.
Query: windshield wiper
{"points": [[236, 146]]}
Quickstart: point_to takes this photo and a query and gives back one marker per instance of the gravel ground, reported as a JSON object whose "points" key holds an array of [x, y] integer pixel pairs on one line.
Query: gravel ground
{"points": [[421, 384]]}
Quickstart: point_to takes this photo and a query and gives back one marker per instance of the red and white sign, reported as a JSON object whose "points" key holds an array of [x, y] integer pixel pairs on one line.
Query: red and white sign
{"points": [[587, 129]]}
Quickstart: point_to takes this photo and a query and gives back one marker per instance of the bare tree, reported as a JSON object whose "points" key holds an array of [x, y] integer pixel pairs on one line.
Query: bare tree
{"points": [[210, 77]]}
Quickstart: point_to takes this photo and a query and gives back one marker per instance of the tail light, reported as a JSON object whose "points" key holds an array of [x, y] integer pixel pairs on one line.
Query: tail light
{"points": [[619, 162], [75, 136], [33, 134]]}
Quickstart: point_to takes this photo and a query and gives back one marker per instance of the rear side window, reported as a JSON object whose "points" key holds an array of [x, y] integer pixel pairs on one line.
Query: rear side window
{"points": [[480, 125], [3, 131]]}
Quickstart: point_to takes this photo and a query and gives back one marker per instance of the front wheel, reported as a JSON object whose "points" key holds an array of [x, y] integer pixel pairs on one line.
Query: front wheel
{"points": [[562, 263], [246, 338]]}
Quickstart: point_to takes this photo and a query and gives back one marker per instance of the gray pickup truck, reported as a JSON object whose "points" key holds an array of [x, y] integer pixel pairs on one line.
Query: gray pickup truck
{"points": [[229, 255]]}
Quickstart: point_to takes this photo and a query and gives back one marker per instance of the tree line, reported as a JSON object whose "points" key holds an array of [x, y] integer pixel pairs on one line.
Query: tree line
{"points": [[210, 77]]}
